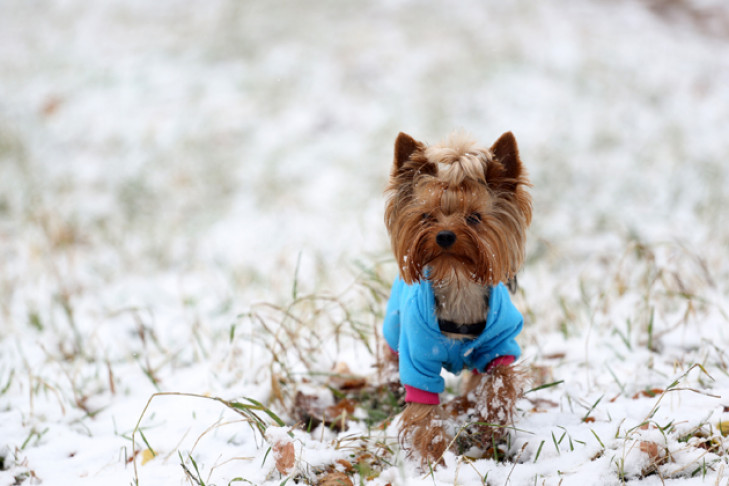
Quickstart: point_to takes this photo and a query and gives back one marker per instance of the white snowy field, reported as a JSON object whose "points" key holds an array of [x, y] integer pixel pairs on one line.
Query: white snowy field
{"points": [[191, 234]]}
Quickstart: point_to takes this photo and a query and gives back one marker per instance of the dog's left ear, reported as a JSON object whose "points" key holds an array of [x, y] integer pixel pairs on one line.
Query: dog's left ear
{"points": [[506, 152], [405, 147]]}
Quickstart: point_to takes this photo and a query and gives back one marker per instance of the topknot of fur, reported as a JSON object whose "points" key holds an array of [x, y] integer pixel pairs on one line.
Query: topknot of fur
{"points": [[458, 158], [477, 194]]}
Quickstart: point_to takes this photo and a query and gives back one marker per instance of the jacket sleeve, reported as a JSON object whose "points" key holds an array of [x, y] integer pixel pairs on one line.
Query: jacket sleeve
{"points": [[422, 352], [499, 337], [391, 324]]}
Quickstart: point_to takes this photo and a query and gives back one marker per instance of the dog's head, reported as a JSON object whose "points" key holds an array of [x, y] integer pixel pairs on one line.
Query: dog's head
{"points": [[457, 210]]}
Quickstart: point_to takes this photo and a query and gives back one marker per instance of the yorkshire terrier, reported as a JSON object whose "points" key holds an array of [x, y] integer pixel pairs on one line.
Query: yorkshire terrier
{"points": [[457, 214]]}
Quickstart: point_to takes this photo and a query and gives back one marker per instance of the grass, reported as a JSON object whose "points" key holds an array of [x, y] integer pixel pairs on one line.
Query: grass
{"points": [[177, 254], [288, 339], [290, 334]]}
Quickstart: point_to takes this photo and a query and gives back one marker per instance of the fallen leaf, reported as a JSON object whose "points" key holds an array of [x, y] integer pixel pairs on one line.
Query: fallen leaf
{"points": [[276, 392], [656, 456], [344, 379], [650, 448], [541, 404], [335, 479], [651, 393], [336, 411], [147, 455], [309, 410], [723, 428], [285, 456], [51, 105]]}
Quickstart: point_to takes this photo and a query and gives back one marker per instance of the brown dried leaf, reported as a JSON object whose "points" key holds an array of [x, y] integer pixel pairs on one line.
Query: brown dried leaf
{"points": [[350, 382], [285, 457], [335, 478], [656, 455], [346, 465], [276, 392], [51, 105], [309, 410], [344, 379], [650, 448], [653, 392], [336, 411]]}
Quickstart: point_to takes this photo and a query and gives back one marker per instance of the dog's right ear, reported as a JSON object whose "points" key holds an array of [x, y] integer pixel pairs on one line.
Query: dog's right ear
{"points": [[405, 147], [506, 152]]}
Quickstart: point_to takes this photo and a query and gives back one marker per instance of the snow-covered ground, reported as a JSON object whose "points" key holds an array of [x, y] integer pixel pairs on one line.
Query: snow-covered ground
{"points": [[191, 219]]}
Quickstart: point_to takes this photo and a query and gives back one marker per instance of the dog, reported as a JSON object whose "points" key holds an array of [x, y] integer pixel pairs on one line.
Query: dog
{"points": [[457, 215]]}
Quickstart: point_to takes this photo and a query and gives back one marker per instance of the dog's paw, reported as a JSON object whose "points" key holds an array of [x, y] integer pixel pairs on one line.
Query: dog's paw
{"points": [[423, 434], [495, 394], [493, 397], [487, 406]]}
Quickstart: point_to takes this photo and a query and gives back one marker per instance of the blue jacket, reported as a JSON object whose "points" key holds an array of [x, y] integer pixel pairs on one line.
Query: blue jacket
{"points": [[411, 329]]}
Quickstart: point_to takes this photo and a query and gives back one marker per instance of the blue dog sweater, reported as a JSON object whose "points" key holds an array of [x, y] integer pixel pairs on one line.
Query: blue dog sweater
{"points": [[411, 329]]}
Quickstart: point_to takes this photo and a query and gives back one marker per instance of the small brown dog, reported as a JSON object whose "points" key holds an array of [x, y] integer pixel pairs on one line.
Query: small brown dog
{"points": [[457, 216]]}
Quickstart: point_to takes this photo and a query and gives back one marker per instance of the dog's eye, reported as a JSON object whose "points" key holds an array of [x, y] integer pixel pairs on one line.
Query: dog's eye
{"points": [[425, 217], [473, 219]]}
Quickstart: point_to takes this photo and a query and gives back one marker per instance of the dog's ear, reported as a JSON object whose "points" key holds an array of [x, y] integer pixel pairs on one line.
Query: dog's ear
{"points": [[511, 176], [405, 147], [506, 152]]}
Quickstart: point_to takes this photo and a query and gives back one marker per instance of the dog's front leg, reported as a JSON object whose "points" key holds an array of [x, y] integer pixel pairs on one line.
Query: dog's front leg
{"points": [[493, 397], [422, 432]]}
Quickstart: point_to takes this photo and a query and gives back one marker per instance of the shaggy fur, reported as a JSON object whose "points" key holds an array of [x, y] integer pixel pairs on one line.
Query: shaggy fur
{"points": [[475, 198], [422, 426], [489, 402], [477, 193]]}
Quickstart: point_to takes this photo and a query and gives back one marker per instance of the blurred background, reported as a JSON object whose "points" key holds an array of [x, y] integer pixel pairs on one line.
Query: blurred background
{"points": [[169, 135], [164, 165]]}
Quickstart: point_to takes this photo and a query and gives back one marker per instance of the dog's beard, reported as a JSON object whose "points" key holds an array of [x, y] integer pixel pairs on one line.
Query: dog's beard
{"points": [[449, 270], [469, 261]]}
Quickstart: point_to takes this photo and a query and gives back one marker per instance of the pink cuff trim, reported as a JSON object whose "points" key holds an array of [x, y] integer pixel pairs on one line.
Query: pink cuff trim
{"points": [[392, 350], [500, 361], [417, 395]]}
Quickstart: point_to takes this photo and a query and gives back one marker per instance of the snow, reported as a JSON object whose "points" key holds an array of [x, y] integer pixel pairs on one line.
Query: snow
{"points": [[174, 175]]}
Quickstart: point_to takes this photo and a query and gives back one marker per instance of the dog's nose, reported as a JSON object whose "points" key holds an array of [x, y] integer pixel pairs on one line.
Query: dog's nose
{"points": [[445, 239]]}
